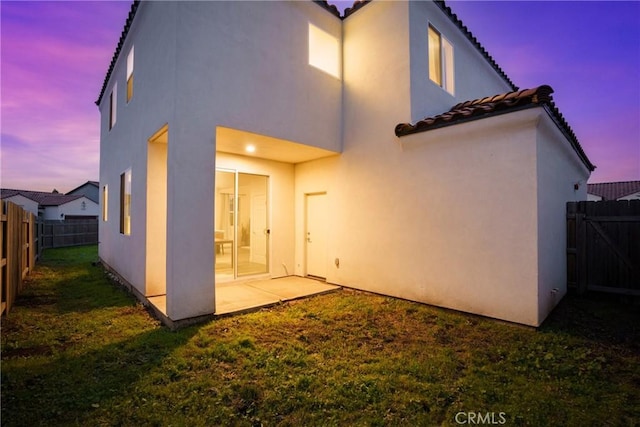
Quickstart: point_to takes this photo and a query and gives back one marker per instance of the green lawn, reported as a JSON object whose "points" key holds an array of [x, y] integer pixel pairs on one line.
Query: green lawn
{"points": [[78, 350]]}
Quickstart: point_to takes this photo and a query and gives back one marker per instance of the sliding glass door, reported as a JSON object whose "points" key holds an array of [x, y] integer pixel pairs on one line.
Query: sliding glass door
{"points": [[241, 225]]}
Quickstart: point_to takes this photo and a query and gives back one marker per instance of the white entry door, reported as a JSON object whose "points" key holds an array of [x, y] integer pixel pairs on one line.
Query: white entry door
{"points": [[316, 235]]}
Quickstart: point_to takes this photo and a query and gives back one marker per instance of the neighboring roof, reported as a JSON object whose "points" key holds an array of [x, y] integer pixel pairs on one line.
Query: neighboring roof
{"points": [[123, 36], [495, 105], [41, 197], [613, 190], [92, 183]]}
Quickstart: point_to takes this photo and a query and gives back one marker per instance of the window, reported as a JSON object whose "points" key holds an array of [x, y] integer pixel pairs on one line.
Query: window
{"points": [[440, 60], [324, 51], [112, 106], [125, 202], [105, 202], [130, 75]]}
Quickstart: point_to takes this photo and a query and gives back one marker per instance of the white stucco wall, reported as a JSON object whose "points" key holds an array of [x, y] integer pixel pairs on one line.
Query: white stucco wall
{"points": [[74, 207], [474, 76], [558, 170], [448, 217], [153, 33], [424, 217], [251, 59], [199, 65], [24, 202]]}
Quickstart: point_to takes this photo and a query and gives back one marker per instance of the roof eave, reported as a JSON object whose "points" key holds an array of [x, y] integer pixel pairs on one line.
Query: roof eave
{"points": [[116, 54], [474, 41], [403, 130], [568, 133]]}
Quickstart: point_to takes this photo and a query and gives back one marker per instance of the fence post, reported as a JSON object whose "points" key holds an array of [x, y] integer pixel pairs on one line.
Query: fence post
{"points": [[32, 243], [12, 257], [581, 249], [3, 260]]}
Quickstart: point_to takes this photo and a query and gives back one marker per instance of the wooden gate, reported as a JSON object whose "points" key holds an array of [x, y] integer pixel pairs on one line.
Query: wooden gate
{"points": [[603, 246], [17, 251]]}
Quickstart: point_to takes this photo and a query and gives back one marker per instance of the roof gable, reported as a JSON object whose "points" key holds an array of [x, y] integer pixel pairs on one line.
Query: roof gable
{"points": [[357, 5], [116, 54], [95, 184]]}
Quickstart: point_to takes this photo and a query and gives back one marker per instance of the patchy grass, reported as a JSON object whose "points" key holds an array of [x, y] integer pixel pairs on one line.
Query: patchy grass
{"points": [[78, 350]]}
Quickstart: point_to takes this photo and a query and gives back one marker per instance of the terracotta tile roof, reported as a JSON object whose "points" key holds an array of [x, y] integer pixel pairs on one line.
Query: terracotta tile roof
{"points": [[41, 197], [330, 7], [123, 36], [613, 190], [495, 105], [358, 4]]}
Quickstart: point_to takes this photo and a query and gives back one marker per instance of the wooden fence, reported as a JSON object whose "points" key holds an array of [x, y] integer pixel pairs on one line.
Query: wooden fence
{"points": [[19, 249], [603, 246], [58, 234]]}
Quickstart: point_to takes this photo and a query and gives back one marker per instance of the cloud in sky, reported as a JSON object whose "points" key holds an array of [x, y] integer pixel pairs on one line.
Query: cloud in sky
{"points": [[54, 58], [55, 55]]}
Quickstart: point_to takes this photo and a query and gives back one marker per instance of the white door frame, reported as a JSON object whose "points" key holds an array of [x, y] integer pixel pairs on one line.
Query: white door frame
{"points": [[315, 233]]}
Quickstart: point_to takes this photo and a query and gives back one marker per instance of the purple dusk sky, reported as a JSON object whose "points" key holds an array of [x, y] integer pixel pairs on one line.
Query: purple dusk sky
{"points": [[54, 56]]}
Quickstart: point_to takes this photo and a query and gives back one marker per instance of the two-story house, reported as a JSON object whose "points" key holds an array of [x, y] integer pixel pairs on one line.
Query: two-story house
{"points": [[384, 151]]}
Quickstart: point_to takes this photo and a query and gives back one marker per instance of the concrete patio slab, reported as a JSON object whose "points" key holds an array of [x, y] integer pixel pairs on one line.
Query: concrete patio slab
{"points": [[240, 297], [249, 296], [293, 287]]}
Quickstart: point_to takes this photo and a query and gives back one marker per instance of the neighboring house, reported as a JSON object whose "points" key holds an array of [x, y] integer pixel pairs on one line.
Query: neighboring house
{"points": [[90, 189], [52, 206], [244, 140], [624, 190]]}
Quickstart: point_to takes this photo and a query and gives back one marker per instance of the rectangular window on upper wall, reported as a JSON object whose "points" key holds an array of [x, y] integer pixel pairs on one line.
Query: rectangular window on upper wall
{"points": [[105, 202], [441, 70], [130, 75], [324, 51], [125, 202], [113, 102]]}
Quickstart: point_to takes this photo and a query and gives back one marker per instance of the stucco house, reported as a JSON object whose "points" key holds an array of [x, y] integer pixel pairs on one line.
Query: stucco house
{"points": [[52, 206], [90, 189], [620, 190], [384, 151]]}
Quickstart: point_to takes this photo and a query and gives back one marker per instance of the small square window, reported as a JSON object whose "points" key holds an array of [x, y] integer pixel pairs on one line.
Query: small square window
{"points": [[324, 51], [441, 70]]}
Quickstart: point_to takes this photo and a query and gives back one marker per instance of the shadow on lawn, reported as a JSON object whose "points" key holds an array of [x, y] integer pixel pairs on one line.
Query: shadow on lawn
{"points": [[606, 319], [70, 389], [80, 292]]}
